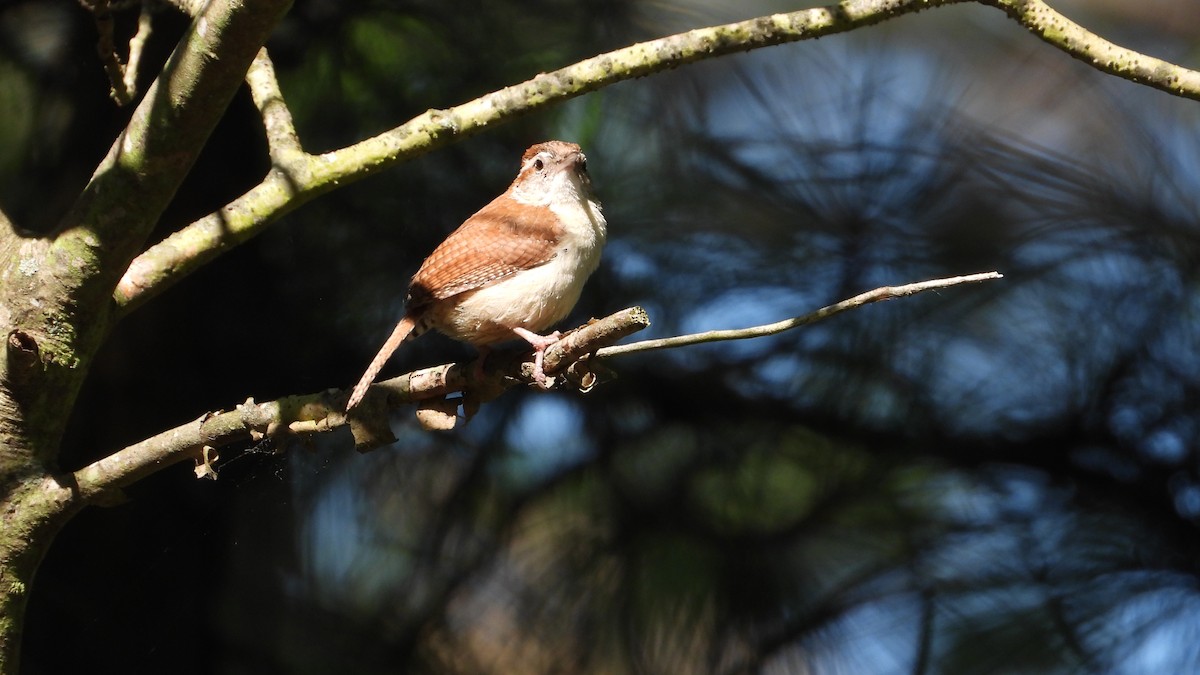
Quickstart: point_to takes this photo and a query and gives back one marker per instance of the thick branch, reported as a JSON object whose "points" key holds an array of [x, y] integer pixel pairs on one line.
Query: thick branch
{"points": [[153, 154], [56, 297]]}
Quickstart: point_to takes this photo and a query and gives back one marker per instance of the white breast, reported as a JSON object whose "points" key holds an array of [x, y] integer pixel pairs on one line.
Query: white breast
{"points": [[537, 298]]}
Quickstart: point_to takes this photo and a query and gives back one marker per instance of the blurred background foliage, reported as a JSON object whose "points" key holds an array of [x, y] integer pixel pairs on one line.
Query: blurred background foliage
{"points": [[998, 478]]}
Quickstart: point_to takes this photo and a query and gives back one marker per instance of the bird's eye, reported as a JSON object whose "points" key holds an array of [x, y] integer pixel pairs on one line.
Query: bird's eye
{"points": [[538, 165]]}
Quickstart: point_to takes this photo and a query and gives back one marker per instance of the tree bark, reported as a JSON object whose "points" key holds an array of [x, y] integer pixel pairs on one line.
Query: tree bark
{"points": [[56, 296]]}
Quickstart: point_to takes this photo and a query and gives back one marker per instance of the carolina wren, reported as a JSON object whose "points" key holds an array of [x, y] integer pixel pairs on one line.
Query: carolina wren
{"points": [[514, 268]]}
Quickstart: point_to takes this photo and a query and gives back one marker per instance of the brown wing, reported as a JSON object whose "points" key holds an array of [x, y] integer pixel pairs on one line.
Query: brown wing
{"points": [[491, 245]]}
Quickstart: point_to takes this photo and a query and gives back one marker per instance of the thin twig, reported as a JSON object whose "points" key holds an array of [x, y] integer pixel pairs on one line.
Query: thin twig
{"points": [[106, 49], [877, 295]]}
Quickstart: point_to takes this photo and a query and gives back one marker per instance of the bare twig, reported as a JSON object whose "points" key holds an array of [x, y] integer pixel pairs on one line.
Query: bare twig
{"points": [[877, 295], [106, 49]]}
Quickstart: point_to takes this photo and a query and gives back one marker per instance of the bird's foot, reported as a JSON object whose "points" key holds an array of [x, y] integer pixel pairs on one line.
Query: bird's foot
{"points": [[539, 344]]}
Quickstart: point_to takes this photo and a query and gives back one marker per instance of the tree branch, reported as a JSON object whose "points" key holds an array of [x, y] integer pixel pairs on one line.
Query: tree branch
{"points": [[1058, 30], [101, 480], [283, 143], [877, 295], [107, 51], [137, 45]]}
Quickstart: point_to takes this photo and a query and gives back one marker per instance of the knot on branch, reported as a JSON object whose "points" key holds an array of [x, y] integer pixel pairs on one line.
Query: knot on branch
{"points": [[24, 356]]}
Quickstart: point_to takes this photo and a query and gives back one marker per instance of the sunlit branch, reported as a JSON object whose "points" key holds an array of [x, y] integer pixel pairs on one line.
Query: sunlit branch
{"points": [[1058, 30], [877, 295], [283, 143], [137, 45], [148, 159]]}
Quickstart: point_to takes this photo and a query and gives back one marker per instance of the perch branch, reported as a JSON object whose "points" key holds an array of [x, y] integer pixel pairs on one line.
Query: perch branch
{"points": [[324, 411]]}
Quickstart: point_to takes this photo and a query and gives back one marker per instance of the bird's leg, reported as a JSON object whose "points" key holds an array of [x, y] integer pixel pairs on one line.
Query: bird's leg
{"points": [[539, 344], [477, 371]]}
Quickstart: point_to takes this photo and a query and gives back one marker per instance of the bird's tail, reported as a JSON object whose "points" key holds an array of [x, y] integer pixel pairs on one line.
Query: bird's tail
{"points": [[404, 330]]}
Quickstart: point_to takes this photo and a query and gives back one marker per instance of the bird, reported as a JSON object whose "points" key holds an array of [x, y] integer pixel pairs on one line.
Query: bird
{"points": [[514, 268]]}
